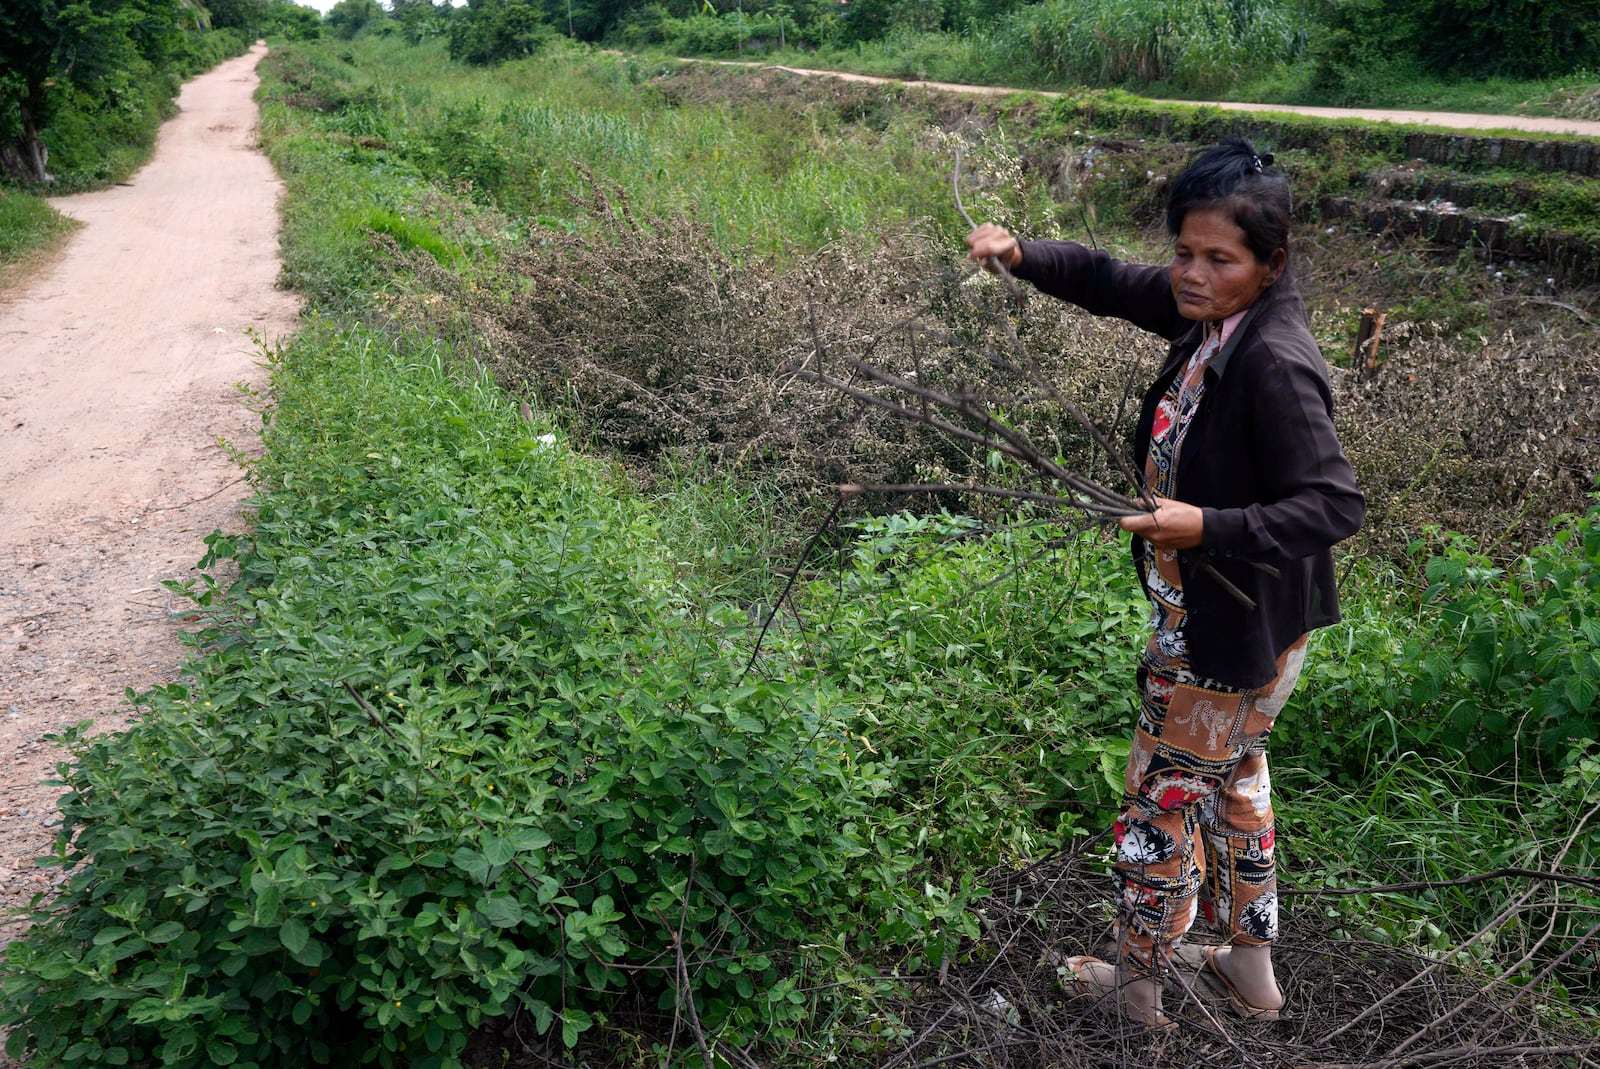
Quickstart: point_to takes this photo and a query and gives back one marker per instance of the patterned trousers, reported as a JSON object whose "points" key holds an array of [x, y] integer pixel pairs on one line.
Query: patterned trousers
{"points": [[1197, 809]]}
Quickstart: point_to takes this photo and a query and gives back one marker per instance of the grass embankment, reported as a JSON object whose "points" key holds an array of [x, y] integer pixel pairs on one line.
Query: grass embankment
{"points": [[474, 732], [30, 230]]}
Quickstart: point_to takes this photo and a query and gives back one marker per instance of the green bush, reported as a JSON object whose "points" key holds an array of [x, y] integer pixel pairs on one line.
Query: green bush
{"points": [[459, 743], [993, 676], [1490, 666], [1373, 52], [1515, 663]]}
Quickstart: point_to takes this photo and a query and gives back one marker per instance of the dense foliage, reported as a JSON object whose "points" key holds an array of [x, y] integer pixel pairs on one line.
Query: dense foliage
{"points": [[1369, 49], [84, 85], [492, 31], [463, 744]]}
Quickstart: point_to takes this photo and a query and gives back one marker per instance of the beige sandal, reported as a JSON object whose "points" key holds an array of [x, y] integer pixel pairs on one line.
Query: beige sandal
{"points": [[1215, 979], [1084, 986]]}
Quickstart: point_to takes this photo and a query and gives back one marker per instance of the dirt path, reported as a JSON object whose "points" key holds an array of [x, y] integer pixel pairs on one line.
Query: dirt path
{"points": [[117, 377], [1453, 120]]}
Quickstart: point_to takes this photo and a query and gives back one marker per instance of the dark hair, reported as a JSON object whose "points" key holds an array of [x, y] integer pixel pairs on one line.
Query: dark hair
{"points": [[1233, 178]]}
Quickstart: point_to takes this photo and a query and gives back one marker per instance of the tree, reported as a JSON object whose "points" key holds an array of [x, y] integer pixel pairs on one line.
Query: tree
{"points": [[591, 19], [49, 47], [246, 15], [350, 17], [492, 31], [293, 21], [867, 20], [419, 19]]}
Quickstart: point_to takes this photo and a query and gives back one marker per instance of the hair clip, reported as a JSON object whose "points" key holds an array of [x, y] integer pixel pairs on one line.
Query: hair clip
{"points": [[1262, 162]]}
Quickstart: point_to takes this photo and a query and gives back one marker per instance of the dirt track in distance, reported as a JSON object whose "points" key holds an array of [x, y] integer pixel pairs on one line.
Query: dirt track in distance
{"points": [[118, 372], [1453, 120]]}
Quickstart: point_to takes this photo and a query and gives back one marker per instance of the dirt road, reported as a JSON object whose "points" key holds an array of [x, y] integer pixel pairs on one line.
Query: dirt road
{"points": [[117, 378], [1448, 119]]}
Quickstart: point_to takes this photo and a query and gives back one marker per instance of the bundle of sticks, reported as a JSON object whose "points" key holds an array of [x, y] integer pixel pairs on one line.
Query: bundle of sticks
{"points": [[969, 415]]}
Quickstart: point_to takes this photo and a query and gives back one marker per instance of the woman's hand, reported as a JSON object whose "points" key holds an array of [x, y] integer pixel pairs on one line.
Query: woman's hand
{"points": [[992, 244], [1173, 525]]}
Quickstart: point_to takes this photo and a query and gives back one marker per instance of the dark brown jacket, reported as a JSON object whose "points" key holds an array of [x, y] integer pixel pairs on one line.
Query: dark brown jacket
{"points": [[1260, 459]]}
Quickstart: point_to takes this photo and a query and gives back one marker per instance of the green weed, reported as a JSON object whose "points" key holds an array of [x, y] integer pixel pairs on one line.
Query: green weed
{"points": [[28, 225]]}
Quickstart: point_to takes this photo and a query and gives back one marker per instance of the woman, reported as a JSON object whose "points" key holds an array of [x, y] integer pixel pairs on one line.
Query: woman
{"points": [[1236, 443]]}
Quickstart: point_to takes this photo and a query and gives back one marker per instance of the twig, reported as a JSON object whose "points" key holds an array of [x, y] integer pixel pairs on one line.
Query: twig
{"points": [[833, 514], [685, 990], [1478, 1055], [1493, 925], [1016, 444], [1434, 885], [1106, 516], [991, 262], [1580, 313], [196, 501]]}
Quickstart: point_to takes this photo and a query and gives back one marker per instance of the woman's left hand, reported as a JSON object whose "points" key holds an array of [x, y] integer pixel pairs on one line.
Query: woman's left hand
{"points": [[1173, 525]]}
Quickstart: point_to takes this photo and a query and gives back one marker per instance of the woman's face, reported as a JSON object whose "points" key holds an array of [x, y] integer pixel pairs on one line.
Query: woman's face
{"points": [[1214, 273]]}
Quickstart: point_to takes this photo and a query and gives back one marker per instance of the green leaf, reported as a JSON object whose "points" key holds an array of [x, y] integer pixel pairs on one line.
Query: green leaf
{"points": [[294, 933], [498, 851], [526, 840], [573, 1024], [502, 910], [310, 955], [472, 863], [166, 933]]}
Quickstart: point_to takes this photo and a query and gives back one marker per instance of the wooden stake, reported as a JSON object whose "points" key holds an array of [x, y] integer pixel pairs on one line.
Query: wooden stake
{"points": [[1365, 356]]}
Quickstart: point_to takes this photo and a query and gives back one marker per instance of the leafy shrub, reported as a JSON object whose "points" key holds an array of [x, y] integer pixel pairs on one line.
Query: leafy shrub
{"points": [[1492, 665], [1517, 657], [460, 744], [992, 675]]}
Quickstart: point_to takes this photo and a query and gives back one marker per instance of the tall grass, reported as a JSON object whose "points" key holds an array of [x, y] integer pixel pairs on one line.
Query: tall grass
{"points": [[1190, 45], [527, 137]]}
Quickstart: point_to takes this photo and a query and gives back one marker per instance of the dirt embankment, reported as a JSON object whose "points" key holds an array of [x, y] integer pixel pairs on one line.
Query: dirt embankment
{"points": [[118, 368]]}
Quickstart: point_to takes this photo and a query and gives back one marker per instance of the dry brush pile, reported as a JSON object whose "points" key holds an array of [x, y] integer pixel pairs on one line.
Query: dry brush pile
{"points": [[1488, 438], [1352, 1002], [659, 343]]}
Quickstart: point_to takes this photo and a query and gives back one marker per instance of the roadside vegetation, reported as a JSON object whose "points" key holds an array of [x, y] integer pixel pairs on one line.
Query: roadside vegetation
{"points": [[29, 230], [556, 702], [1491, 57]]}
